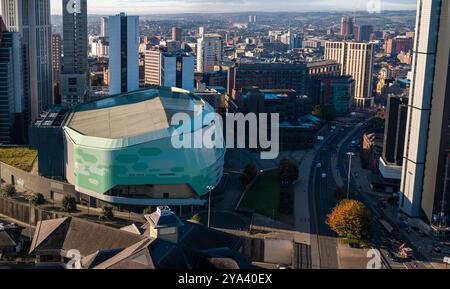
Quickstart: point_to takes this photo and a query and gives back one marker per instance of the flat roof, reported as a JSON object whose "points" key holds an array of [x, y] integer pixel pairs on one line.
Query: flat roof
{"points": [[133, 114]]}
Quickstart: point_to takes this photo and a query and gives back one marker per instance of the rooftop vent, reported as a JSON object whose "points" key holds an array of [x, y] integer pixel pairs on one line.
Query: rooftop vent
{"points": [[164, 211]]}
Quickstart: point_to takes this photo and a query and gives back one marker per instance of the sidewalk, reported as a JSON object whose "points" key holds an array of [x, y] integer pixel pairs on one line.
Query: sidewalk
{"points": [[423, 245]]}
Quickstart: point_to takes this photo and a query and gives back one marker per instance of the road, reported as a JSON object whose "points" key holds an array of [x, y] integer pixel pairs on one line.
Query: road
{"points": [[323, 200], [355, 186]]}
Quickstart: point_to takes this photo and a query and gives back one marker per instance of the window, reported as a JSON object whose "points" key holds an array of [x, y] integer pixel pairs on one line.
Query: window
{"points": [[166, 195], [72, 81], [167, 231]]}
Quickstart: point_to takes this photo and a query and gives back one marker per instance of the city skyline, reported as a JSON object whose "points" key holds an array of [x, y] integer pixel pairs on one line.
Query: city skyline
{"points": [[224, 134], [149, 7]]}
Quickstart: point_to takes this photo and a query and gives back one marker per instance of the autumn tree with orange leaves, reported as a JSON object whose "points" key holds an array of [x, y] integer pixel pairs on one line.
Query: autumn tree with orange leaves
{"points": [[350, 219]]}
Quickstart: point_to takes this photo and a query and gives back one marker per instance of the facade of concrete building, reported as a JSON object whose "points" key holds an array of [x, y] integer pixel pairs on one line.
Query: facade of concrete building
{"points": [[177, 34], [173, 69], [104, 27], [394, 46], [10, 84], [337, 91], [123, 53], [363, 33], [57, 66], [394, 138], [347, 26], [209, 52], [427, 132], [357, 60], [268, 76], [31, 19], [326, 67], [74, 75]]}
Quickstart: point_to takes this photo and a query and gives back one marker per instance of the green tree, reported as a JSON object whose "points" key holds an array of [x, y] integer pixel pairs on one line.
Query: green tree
{"points": [[289, 171], [147, 211], [107, 213], [350, 219], [9, 191], [36, 198], [69, 204]]}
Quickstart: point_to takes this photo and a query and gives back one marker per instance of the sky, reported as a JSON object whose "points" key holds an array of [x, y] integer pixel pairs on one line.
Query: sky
{"points": [[146, 7]]}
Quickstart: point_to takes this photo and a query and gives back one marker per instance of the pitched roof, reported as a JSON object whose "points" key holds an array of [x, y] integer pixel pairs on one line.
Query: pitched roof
{"points": [[130, 252], [98, 257], [163, 219], [6, 240], [104, 247], [87, 237], [43, 230], [132, 229], [9, 235]]}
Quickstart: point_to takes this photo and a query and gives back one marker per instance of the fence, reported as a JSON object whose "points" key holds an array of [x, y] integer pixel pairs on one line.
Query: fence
{"points": [[25, 213]]}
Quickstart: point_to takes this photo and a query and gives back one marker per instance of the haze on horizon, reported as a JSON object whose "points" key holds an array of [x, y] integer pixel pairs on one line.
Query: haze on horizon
{"points": [[148, 7]]}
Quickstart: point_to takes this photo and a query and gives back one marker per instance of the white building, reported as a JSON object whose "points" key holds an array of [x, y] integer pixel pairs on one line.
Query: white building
{"points": [[104, 29], [172, 69], [123, 53], [99, 47], [427, 144], [356, 60], [209, 52]]}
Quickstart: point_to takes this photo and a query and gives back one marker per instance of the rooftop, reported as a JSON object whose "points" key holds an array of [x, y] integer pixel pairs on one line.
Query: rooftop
{"points": [[132, 114], [321, 63]]}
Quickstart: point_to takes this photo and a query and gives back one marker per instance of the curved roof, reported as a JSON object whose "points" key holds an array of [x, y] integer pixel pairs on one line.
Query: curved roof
{"points": [[134, 118], [132, 114]]}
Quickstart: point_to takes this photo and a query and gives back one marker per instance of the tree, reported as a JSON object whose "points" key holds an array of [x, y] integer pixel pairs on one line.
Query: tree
{"points": [[325, 112], [289, 171], [36, 199], [249, 174], [107, 213], [196, 218], [147, 211], [350, 219], [69, 204], [9, 191]]}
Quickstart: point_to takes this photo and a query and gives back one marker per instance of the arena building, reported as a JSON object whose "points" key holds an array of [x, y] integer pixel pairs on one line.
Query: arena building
{"points": [[119, 149]]}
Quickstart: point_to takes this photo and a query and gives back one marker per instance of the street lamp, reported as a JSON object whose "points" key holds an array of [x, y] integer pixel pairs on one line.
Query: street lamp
{"points": [[210, 189], [350, 155]]}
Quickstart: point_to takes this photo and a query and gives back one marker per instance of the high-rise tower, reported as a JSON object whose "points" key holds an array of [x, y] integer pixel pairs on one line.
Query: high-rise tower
{"points": [[31, 19], [74, 76], [428, 128], [123, 53]]}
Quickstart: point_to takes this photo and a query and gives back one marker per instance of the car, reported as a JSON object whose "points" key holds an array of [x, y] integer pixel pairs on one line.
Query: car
{"points": [[324, 176], [318, 165]]}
